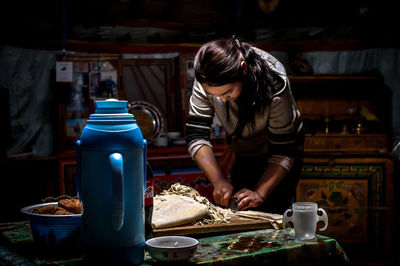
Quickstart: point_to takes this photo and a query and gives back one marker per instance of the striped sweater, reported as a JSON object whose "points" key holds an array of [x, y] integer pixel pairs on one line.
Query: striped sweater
{"points": [[276, 131]]}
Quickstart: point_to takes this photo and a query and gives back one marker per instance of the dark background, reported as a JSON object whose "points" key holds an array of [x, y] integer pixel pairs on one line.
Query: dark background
{"points": [[118, 26], [46, 23]]}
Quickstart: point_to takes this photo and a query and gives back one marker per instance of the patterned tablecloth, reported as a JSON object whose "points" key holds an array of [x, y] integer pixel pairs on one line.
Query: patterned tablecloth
{"points": [[267, 246]]}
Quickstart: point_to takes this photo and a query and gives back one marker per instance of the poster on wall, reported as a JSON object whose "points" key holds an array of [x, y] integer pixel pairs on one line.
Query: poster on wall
{"points": [[64, 71], [91, 81], [77, 107], [103, 81], [85, 80]]}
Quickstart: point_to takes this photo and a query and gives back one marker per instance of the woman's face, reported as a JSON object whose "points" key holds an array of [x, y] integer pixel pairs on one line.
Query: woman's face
{"points": [[230, 91]]}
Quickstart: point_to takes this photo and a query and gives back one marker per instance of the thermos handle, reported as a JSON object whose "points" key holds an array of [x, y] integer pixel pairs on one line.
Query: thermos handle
{"points": [[116, 161], [77, 178], [144, 162]]}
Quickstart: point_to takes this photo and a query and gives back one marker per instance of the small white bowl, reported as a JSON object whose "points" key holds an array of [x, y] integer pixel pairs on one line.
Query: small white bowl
{"points": [[174, 135], [172, 248]]}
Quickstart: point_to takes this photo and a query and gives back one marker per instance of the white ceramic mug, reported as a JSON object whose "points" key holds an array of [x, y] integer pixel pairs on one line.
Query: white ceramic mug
{"points": [[305, 218]]}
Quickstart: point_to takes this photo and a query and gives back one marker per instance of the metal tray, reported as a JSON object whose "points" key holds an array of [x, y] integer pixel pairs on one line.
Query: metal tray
{"points": [[148, 118]]}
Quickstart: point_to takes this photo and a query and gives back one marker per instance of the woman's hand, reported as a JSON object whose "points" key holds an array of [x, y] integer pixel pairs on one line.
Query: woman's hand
{"points": [[205, 159], [248, 199], [222, 192]]}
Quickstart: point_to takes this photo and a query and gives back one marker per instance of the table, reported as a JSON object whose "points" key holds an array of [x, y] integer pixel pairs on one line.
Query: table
{"points": [[267, 246]]}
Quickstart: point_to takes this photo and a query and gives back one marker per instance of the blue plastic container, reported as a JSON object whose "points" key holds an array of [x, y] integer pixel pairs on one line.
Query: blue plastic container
{"points": [[111, 157], [61, 232]]}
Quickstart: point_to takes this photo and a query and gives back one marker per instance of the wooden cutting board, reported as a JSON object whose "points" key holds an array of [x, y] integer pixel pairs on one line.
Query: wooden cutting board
{"points": [[236, 224]]}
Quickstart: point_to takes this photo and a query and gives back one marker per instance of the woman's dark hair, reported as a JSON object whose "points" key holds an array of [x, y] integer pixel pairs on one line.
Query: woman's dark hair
{"points": [[218, 63]]}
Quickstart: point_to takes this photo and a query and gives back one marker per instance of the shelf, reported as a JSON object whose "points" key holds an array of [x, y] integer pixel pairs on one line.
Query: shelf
{"points": [[346, 143], [334, 78], [336, 103]]}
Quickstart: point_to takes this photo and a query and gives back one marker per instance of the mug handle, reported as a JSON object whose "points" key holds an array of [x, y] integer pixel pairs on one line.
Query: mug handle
{"points": [[286, 218], [324, 218]]}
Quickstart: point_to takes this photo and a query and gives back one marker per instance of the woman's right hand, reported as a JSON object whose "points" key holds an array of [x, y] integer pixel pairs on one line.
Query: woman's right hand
{"points": [[205, 159], [222, 192]]}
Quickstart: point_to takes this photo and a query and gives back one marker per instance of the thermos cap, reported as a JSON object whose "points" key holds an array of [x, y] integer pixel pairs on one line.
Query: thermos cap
{"points": [[111, 112], [111, 106]]}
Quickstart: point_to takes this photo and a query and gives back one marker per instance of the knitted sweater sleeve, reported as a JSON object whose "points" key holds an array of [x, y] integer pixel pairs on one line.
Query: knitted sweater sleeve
{"points": [[198, 125]]}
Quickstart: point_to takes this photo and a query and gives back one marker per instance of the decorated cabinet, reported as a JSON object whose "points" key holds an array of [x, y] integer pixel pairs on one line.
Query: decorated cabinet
{"points": [[357, 194], [348, 169]]}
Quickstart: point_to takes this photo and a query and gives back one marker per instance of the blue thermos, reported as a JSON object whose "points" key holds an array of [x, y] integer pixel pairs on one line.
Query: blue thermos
{"points": [[111, 156]]}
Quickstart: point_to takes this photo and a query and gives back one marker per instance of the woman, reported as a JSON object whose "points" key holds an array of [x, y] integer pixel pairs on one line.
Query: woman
{"points": [[249, 91]]}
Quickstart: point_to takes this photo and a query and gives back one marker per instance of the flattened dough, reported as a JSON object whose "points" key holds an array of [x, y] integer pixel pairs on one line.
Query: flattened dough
{"points": [[173, 210]]}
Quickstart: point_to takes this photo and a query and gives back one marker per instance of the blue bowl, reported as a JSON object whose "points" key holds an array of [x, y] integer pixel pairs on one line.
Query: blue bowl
{"points": [[55, 231]]}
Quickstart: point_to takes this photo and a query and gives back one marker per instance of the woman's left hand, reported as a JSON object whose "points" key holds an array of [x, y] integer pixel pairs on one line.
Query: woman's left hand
{"points": [[248, 199]]}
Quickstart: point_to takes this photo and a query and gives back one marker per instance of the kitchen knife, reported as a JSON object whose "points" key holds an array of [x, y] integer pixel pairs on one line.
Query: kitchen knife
{"points": [[233, 204]]}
